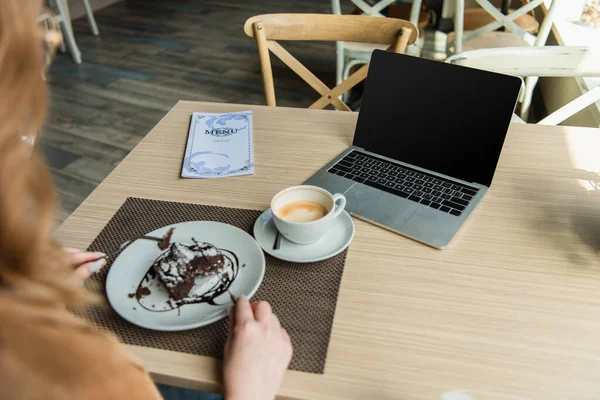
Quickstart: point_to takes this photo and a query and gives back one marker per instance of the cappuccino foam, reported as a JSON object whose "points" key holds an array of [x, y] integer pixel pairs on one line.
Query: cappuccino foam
{"points": [[302, 211]]}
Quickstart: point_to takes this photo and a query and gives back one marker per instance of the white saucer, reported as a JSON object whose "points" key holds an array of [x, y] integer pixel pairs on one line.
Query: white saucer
{"points": [[333, 243]]}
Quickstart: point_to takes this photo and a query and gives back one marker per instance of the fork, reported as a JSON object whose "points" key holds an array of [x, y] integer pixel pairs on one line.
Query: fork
{"points": [[124, 246]]}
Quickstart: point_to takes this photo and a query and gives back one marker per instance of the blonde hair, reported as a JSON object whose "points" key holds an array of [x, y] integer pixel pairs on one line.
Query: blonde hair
{"points": [[32, 265]]}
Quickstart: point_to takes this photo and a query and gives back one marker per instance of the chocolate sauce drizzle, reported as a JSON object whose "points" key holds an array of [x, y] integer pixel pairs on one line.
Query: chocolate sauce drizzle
{"points": [[219, 288]]}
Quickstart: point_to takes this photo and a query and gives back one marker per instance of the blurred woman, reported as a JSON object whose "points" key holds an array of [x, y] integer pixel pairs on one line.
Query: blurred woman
{"points": [[45, 351]]}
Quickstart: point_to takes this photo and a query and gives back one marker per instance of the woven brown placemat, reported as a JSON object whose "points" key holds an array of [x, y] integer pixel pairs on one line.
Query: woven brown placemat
{"points": [[303, 296]]}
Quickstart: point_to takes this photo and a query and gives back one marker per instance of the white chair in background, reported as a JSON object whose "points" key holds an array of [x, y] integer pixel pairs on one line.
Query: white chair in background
{"points": [[548, 61], [487, 37], [351, 54], [61, 8]]}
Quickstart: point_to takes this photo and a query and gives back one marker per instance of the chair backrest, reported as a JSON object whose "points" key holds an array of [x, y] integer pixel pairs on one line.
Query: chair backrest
{"points": [[548, 61], [506, 21], [269, 28], [365, 8]]}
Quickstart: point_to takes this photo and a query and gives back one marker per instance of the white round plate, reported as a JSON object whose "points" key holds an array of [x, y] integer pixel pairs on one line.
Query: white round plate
{"points": [[333, 243], [151, 311]]}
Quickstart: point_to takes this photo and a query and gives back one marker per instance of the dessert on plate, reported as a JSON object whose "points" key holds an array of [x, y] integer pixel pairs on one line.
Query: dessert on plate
{"points": [[190, 271]]}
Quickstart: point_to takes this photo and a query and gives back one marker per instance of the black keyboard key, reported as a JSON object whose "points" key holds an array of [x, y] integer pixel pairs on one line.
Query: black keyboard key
{"points": [[427, 190], [340, 173], [428, 185], [417, 193], [446, 196], [455, 187], [410, 173], [414, 198], [385, 170], [382, 181], [345, 163], [468, 191], [409, 190], [449, 191], [373, 178], [383, 176], [351, 176], [460, 201], [408, 184], [359, 162], [364, 175], [453, 205], [376, 162], [419, 181], [427, 196], [425, 202], [437, 181], [446, 184], [394, 173], [428, 178], [454, 212], [342, 168], [410, 179], [373, 172], [435, 205], [436, 193], [467, 197], [438, 187], [445, 209], [387, 189], [418, 187], [437, 200], [376, 168], [390, 184]]}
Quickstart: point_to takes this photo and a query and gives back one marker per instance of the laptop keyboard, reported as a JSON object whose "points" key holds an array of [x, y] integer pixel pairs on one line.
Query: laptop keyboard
{"points": [[443, 195]]}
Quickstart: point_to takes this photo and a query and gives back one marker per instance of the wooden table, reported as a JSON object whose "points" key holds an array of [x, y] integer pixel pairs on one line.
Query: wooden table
{"points": [[511, 310]]}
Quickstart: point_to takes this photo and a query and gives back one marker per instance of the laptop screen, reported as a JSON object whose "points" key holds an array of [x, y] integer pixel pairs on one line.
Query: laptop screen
{"points": [[442, 117]]}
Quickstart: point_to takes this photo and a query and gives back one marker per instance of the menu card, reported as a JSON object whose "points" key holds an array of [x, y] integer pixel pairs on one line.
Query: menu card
{"points": [[219, 145]]}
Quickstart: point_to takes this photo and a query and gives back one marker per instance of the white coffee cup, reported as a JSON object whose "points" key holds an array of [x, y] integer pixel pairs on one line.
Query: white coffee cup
{"points": [[303, 214]]}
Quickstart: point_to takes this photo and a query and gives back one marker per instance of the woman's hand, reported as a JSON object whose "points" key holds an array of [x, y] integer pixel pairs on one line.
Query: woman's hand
{"points": [[85, 262], [257, 353]]}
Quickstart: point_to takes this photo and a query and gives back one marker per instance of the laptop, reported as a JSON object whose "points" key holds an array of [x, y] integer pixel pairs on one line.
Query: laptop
{"points": [[426, 145]]}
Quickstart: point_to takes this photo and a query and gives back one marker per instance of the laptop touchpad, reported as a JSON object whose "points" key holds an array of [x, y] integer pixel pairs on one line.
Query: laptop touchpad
{"points": [[379, 206]]}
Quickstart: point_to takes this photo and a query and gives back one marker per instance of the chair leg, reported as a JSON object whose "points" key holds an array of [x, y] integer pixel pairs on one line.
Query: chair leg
{"points": [[339, 67], [459, 18], [572, 108], [530, 83], [340, 58], [415, 12], [90, 17], [68, 32], [349, 65]]}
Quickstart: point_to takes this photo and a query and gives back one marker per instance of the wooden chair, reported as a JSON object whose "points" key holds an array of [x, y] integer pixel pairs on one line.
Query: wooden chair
{"points": [[397, 34], [350, 54], [549, 61]]}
